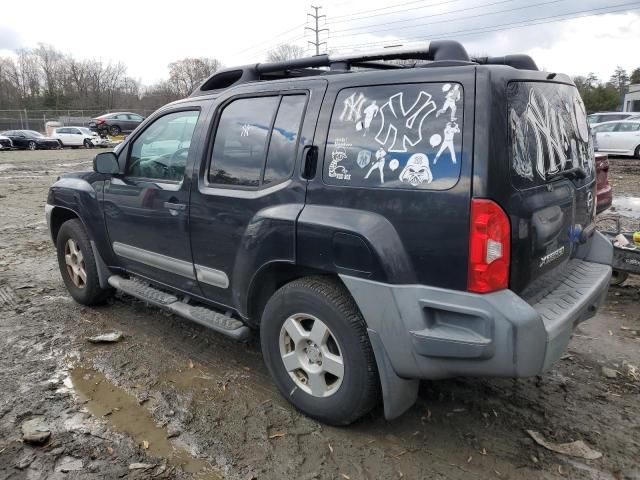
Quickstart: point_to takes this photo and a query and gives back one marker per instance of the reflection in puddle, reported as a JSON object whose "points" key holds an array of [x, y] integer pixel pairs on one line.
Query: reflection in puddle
{"points": [[626, 206], [122, 411]]}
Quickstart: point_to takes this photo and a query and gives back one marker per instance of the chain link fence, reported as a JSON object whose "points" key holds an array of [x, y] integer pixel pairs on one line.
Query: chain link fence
{"points": [[38, 119]]}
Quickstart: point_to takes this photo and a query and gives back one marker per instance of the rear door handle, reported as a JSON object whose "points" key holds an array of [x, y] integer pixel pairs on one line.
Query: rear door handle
{"points": [[310, 159], [175, 206]]}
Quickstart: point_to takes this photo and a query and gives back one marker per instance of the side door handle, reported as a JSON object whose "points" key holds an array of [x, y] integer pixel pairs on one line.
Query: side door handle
{"points": [[175, 206], [310, 159]]}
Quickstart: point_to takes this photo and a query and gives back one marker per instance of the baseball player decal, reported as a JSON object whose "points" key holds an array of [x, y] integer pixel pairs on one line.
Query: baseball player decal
{"points": [[449, 131], [451, 98]]}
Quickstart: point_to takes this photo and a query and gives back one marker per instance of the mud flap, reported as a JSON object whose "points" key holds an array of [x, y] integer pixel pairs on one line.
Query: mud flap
{"points": [[103, 270], [398, 394]]}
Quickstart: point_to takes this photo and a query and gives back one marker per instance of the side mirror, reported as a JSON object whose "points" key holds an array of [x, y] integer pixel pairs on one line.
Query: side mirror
{"points": [[106, 162]]}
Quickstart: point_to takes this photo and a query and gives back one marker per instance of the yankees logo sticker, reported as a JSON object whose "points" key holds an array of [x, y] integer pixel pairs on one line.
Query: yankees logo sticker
{"points": [[549, 133], [402, 125]]}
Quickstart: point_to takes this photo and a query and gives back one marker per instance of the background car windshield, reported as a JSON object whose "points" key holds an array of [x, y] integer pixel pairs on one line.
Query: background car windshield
{"points": [[31, 133]]}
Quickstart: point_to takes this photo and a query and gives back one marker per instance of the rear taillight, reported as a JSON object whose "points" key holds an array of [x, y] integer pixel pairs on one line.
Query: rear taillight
{"points": [[99, 122], [489, 247]]}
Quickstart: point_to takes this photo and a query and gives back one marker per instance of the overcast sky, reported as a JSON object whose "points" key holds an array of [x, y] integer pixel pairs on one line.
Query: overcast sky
{"points": [[147, 35]]}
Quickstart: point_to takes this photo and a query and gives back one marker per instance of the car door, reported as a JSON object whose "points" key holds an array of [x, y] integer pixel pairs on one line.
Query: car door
{"points": [[60, 134], [249, 191], [626, 137], [133, 121], [146, 209], [75, 136], [604, 136]]}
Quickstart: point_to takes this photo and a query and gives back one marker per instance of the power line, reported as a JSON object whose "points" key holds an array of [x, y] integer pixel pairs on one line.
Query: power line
{"points": [[257, 45], [381, 8], [449, 19], [351, 15], [317, 29], [264, 49], [499, 27]]}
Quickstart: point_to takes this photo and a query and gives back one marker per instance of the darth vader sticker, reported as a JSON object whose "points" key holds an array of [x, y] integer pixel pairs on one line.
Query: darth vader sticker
{"points": [[396, 136]]}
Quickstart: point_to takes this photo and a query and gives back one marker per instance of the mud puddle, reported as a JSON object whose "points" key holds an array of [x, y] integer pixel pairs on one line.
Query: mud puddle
{"points": [[627, 206], [124, 414]]}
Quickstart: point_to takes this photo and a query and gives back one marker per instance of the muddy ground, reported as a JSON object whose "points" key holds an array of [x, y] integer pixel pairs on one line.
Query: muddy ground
{"points": [[111, 407]]}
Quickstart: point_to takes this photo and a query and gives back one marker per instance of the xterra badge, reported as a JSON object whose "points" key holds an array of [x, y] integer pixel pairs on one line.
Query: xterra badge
{"points": [[547, 259]]}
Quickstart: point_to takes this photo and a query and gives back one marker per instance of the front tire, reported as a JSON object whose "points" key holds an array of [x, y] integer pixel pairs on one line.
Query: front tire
{"points": [[637, 152], [316, 347], [31, 145], [78, 265], [114, 130], [88, 144]]}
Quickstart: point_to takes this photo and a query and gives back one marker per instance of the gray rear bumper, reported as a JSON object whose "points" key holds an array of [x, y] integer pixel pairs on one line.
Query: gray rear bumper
{"points": [[435, 333], [424, 332]]}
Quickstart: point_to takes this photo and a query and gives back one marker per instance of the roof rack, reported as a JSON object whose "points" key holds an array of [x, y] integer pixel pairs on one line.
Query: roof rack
{"points": [[448, 52]]}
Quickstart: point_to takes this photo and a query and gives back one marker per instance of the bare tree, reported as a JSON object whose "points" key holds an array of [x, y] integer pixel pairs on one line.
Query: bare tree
{"points": [[285, 51], [44, 77], [186, 74]]}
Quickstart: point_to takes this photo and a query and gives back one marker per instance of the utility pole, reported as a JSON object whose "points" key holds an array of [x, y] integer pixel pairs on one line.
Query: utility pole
{"points": [[317, 29]]}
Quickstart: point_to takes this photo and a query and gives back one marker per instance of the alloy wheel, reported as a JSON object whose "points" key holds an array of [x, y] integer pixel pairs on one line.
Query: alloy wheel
{"points": [[311, 355], [74, 260]]}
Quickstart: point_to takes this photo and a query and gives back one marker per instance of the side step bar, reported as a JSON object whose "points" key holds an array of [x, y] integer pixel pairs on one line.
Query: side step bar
{"points": [[204, 316]]}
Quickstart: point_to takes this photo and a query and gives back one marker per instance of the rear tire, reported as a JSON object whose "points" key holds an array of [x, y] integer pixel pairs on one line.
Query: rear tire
{"points": [[331, 373], [114, 130], [78, 265], [618, 277], [637, 152]]}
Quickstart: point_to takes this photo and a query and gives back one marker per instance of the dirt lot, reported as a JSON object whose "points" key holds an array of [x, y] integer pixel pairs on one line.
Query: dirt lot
{"points": [[112, 406]]}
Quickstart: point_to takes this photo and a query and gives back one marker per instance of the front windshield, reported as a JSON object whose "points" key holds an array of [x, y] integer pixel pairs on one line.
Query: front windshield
{"points": [[86, 131]]}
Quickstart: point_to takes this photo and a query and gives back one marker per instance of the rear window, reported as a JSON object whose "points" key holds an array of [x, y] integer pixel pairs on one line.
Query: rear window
{"points": [[549, 132], [396, 136]]}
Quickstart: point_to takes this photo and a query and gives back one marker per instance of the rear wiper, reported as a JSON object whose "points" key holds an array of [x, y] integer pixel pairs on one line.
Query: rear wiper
{"points": [[575, 172]]}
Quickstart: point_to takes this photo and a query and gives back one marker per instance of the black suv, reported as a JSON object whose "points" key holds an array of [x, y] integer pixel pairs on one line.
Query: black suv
{"points": [[378, 225]]}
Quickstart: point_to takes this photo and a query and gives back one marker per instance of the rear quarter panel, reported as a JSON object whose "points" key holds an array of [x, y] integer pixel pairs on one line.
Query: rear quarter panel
{"points": [[395, 235]]}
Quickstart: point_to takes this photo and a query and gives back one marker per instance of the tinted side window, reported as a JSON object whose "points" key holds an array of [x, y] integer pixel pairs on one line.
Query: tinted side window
{"points": [[396, 136], [240, 145], [627, 127], [161, 151], [605, 128], [284, 138]]}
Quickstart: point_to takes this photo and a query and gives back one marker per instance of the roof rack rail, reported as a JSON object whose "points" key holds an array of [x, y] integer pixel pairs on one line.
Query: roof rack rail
{"points": [[437, 50], [521, 62]]}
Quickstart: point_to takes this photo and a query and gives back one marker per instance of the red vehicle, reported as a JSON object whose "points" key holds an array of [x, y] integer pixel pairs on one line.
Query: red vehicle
{"points": [[604, 195]]}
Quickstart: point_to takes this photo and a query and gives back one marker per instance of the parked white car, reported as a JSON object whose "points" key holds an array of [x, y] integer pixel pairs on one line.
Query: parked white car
{"points": [[618, 138], [78, 137], [598, 118]]}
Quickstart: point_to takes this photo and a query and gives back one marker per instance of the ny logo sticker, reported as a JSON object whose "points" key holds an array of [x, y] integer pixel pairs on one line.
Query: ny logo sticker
{"points": [[402, 127], [352, 110]]}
